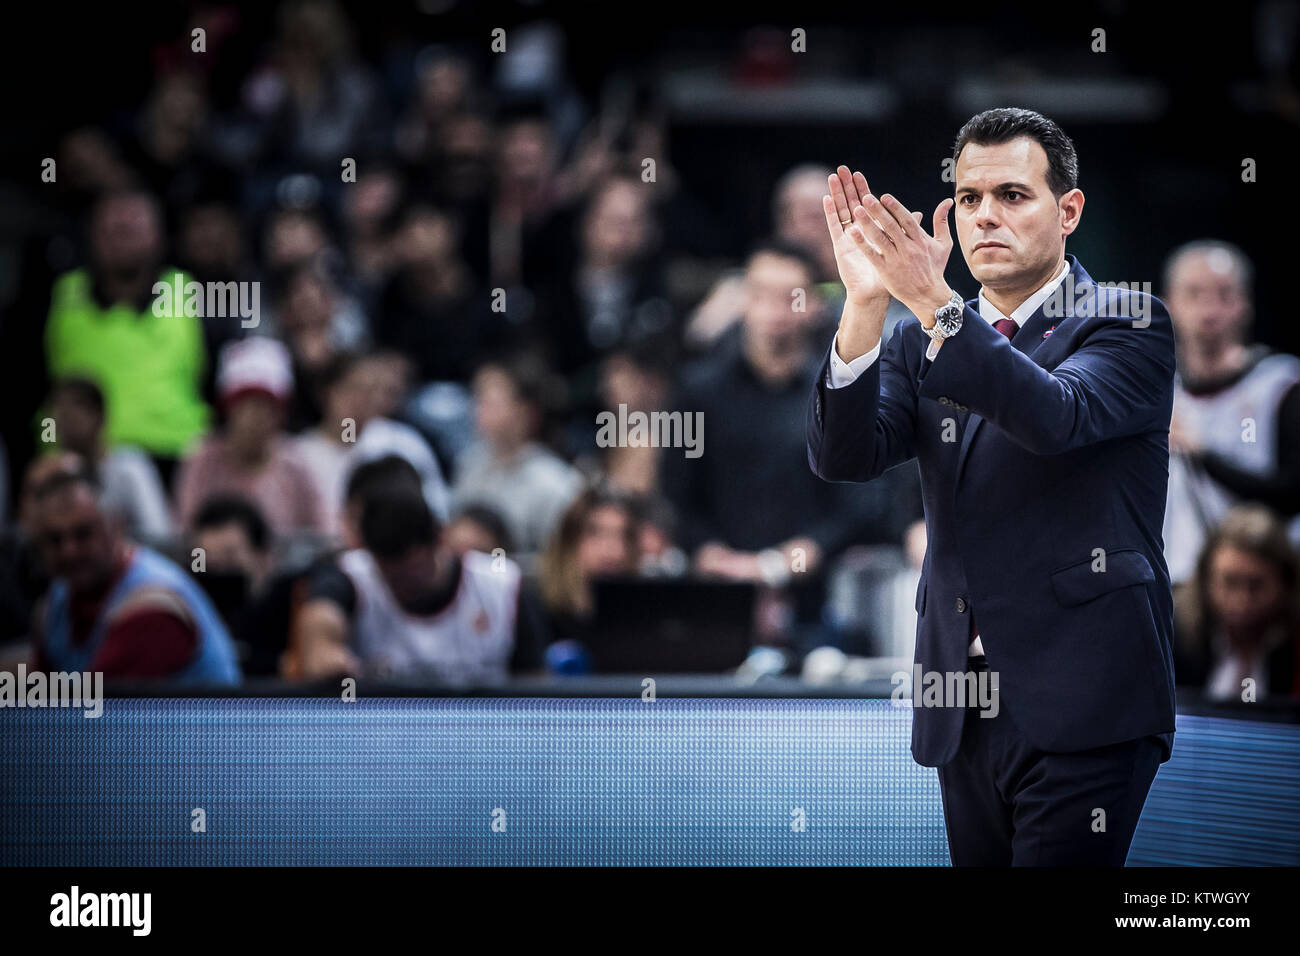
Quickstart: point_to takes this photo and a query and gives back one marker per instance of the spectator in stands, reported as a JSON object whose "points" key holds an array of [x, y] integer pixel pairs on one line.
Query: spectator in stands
{"points": [[234, 546], [477, 528], [751, 402], [352, 430], [23, 576], [1238, 618], [129, 480], [251, 456], [118, 608], [1235, 434], [607, 294], [317, 329], [597, 536], [640, 380], [268, 620], [406, 606], [748, 508], [432, 310], [106, 323], [507, 469]]}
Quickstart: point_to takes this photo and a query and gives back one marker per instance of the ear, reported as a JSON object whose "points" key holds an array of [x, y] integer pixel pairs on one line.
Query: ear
{"points": [[1071, 210]]}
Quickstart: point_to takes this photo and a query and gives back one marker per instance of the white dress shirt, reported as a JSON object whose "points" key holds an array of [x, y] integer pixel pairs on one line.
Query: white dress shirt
{"points": [[843, 373]]}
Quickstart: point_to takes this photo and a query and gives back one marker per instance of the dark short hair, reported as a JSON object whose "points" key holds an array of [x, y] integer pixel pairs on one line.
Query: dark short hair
{"points": [[221, 510], [490, 520], [84, 391], [61, 480], [784, 249], [396, 521], [1007, 123], [381, 474]]}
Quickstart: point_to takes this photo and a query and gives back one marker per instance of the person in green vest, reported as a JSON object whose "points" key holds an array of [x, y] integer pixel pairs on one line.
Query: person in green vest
{"points": [[109, 323]]}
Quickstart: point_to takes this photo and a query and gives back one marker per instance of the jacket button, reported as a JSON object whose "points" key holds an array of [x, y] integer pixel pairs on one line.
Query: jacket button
{"points": [[961, 605]]}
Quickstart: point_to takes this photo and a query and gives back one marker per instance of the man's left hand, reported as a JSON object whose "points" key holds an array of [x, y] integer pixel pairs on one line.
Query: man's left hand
{"points": [[910, 263]]}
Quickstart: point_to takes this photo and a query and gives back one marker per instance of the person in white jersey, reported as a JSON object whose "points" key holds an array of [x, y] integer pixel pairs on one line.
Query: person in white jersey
{"points": [[405, 606], [1235, 434]]}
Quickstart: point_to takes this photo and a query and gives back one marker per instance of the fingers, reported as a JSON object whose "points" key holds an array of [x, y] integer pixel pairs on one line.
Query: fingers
{"points": [[864, 190], [941, 231], [902, 216], [833, 224], [867, 233], [840, 198], [848, 181], [886, 218]]}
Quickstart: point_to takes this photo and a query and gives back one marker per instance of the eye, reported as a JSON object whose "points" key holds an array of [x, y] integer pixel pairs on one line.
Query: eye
{"points": [[1013, 195], [967, 199]]}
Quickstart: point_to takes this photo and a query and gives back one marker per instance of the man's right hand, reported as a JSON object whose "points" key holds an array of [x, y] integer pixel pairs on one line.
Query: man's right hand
{"points": [[866, 298]]}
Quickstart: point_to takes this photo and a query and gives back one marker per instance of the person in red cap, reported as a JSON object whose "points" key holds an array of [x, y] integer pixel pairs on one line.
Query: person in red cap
{"points": [[250, 455]]}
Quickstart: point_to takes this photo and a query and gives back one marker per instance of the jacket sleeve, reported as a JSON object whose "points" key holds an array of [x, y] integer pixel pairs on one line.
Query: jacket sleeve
{"points": [[858, 431], [1118, 382]]}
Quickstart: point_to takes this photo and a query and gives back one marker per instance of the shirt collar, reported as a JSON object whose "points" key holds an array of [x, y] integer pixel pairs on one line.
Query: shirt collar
{"points": [[990, 313]]}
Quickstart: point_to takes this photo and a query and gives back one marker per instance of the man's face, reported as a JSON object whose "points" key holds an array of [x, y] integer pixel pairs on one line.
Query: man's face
{"points": [[412, 577], [1010, 226], [1245, 590], [125, 235], [227, 549], [770, 315], [78, 542], [78, 422], [1207, 300]]}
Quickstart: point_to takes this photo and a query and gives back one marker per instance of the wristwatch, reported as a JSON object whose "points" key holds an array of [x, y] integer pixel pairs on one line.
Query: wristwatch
{"points": [[947, 319]]}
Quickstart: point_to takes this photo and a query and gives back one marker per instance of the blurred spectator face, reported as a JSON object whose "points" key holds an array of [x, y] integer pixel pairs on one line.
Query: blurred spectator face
{"points": [[293, 238], [38, 472], [502, 417], [1246, 591], [89, 163], [800, 219], [78, 542], [624, 382], [527, 153], [428, 238], [371, 199], [390, 380], [603, 548], [466, 147], [443, 84], [253, 420], [359, 394], [770, 317], [228, 550], [211, 240], [412, 576], [616, 228], [466, 534], [1207, 299], [1028, 227], [308, 303], [126, 236], [176, 115], [79, 424]]}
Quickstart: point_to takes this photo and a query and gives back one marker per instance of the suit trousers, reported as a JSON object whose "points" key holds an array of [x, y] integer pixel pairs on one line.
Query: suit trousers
{"points": [[1007, 803]]}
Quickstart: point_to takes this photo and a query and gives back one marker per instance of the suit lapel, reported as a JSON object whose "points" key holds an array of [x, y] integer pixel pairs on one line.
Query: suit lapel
{"points": [[1028, 339]]}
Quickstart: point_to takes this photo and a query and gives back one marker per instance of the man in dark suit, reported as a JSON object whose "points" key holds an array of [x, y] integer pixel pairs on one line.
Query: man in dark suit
{"points": [[1039, 414]]}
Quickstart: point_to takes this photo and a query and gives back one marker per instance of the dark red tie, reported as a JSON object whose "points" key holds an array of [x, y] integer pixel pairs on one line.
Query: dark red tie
{"points": [[1008, 328]]}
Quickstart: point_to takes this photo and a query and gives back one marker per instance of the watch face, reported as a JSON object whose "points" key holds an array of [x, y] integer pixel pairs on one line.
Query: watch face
{"points": [[949, 320]]}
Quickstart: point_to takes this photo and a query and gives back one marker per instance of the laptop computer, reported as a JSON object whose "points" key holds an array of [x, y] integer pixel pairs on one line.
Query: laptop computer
{"points": [[670, 626]]}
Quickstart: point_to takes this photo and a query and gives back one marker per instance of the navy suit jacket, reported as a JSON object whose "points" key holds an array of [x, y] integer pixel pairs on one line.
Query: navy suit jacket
{"points": [[1043, 459]]}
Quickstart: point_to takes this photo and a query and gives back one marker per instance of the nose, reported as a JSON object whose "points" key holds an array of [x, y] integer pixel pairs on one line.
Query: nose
{"points": [[985, 214]]}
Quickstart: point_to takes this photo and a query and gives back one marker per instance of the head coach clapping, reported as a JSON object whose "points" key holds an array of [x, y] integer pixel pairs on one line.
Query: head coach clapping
{"points": [[1039, 415]]}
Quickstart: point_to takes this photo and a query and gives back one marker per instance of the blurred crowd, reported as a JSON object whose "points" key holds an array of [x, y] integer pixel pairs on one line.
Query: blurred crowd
{"points": [[368, 445]]}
